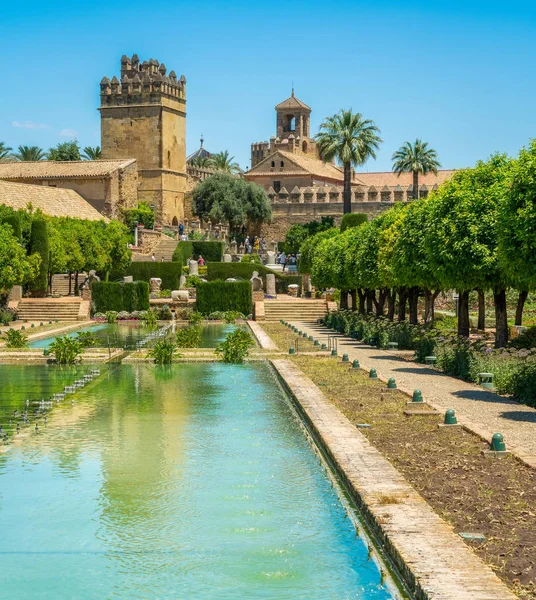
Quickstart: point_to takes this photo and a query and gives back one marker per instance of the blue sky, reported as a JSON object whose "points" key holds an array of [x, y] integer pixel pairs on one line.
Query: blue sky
{"points": [[459, 75]]}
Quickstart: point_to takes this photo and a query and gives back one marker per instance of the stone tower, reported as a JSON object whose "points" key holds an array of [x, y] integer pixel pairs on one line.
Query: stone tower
{"points": [[143, 116]]}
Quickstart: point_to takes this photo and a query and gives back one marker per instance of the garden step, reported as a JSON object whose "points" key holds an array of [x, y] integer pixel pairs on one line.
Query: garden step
{"points": [[31, 309]]}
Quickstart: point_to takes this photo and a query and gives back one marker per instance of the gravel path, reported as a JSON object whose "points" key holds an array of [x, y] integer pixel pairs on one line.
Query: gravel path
{"points": [[481, 411]]}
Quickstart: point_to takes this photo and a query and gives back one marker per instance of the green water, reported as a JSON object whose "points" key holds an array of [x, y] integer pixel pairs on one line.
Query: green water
{"points": [[187, 482], [125, 335]]}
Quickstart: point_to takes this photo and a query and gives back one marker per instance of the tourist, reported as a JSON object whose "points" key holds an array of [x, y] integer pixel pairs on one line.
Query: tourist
{"points": [[263, 244], [283, 259], [153, 257], [201, 261], [256, 244], [181, 228]]}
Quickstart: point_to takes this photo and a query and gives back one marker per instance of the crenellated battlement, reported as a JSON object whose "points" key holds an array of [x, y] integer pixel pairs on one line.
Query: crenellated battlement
{"points": [[142, 83]]}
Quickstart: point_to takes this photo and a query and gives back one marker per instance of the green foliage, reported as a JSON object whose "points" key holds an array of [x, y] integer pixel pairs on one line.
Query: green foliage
{"points": [[236, 346], [164, 313], [210, 251], [525, 340], [231, 316], [168, 272], [150, 318], [298, 234], [16, 268], [195, 317], [13, 219], [6, 316], [15, 338], [65, 151], [189, 337], [164, 294], [221, 295], [111, 316], [353, 220], [192, 281], [108, 296], [143, 214], [251, 258], [415, 158], [142, 295], [222, 197], [217, 315], [92, 153], [221, 161], [87, 339], [66, 349], [39, 245], [163, 351], [243, 270], [129, 297], [29, 154], [5, 152]]}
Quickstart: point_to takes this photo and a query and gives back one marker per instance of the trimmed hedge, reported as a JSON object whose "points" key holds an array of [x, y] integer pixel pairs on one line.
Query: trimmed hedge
{"points": [[245, 271], [39, 244], [210, 251], [108, 295], [353, 220], [169, 272], [222, 296], [14, 221]]}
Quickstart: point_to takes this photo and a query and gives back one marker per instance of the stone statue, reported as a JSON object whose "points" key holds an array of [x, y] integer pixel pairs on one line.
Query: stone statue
{"points": [[182, 282], [193, 267], [256, 282]]}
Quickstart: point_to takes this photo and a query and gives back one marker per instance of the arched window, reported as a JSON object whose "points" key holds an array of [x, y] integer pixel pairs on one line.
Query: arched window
{"points": [[290, 123], [175, 221], [282, 164], [304, 146]]}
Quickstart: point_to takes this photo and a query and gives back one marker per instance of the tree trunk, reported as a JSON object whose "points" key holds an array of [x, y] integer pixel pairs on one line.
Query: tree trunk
{"points": [[501, 318], [402, 300], [371, 297], [347, 192], [391, 304], [413, 305], [415, 185], [481, 311], [427, 316], [344, 300], [353, 295], [520, 306], [434, 296], [70, 284], [76, 283], [463, 314], [49, 284], [361, 295], [380, 305]]}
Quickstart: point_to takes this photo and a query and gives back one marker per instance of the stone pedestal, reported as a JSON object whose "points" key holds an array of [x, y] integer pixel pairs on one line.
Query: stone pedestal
{"points": [[241, 249], [193, 267], [155, 284], [293, 290], [182, 281], [227, 258], [234, 247], [306, 283], [257, 296], [273, 244], [128, 279], [270, 284], [256, 282]]}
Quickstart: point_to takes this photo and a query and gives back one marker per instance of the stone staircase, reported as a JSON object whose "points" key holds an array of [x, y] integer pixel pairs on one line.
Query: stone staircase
{"points": [[306, 311], [60, 283], [163, 250], [51, 309]]}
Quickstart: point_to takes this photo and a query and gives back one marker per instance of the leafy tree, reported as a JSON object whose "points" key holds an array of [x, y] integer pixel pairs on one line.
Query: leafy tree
{"points": [[415, 158], [142, 214], [114, 238], [223, 162], [92, 153], [57, 253], [222, 197], [298, 233], [65, 151], [16, 267], [202, 162], [353, 220], [30, 154], [5, 152], [462, 234], [350, 139], [310, 247], [39, 245]]}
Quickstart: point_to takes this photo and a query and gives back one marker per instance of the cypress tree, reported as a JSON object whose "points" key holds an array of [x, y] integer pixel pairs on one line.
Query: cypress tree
{"points": [[14, 221], [39, 245]]}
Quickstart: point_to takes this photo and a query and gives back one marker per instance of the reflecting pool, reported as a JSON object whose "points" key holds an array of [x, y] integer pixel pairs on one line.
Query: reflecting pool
{"points": [[193, 481]]}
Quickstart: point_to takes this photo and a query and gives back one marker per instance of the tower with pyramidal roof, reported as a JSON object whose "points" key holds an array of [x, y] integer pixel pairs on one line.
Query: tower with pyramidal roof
{"points": [[143, 116]]}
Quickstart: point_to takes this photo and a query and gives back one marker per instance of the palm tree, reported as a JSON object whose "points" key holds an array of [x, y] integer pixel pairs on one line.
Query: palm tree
{"points": [[350, 139], [29, 153], [5, 152], [90, 153], [201, 162], [415, 158], [223, 162]]}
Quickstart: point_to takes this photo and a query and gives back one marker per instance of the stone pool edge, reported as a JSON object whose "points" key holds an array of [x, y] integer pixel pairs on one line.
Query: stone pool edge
{"points": [[431, 559]]}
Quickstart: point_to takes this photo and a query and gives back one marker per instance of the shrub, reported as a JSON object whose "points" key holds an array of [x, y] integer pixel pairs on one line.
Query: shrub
{"points": [[87, 339], [183, 313], [189, 337], [164, 294], [163, 351], [142, 295], [353, 220], [39, 245], [195, 317], [129, 301], [210, 251], [235, 347], [6, 316], [192, 281], [66, 349], [232, 315], [525, 340], [222, 295], [150, 318], [124, 315], [217, 315], [114, 296], [164, 313], [111, 316], [13, 220], [251, 258], [15, 338]]}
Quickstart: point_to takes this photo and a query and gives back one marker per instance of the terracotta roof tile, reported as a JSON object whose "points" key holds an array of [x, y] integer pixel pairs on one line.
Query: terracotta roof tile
{"points": [[56, 202], [50, 169], [292, 102]]}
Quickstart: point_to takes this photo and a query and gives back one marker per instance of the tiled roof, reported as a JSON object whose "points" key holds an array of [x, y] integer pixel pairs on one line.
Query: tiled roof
{"points": [[56, 202], [292, 102], [45, 169], [391, 179], [313, 166]]}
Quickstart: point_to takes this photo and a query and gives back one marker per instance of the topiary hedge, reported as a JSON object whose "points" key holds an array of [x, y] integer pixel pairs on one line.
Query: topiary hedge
{"points": [[108, 295], [245, 271], [169, 273], [39, 245], [210, 251], [222, 296], [353, 220], [14, 221]]}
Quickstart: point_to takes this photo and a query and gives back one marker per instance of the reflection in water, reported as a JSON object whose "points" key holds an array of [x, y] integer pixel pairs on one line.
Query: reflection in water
{"points": [[190, 481]]}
